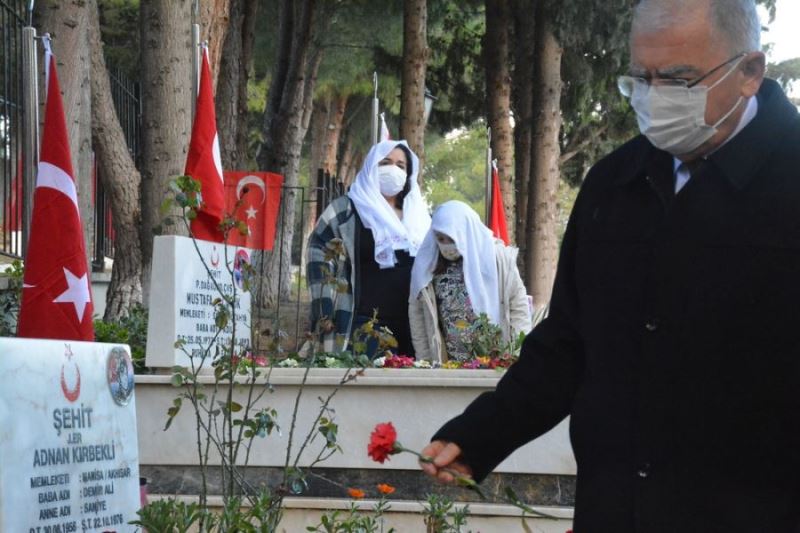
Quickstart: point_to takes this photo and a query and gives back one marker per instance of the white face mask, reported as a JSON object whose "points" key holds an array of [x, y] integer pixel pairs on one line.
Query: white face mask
{"points": [[673, 117], [391, 179], [449, 251]]}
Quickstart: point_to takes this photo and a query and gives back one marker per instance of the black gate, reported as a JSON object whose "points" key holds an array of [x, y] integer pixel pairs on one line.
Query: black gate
{"points": [[14, 15], [127, 103]]}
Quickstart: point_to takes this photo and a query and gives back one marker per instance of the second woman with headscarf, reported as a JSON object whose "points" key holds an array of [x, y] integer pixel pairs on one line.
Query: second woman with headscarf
{"points": [[461, 273], [381, 223]]}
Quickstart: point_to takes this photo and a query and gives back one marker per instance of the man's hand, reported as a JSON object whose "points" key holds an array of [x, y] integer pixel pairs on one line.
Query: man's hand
{"points": [[444, 461]]}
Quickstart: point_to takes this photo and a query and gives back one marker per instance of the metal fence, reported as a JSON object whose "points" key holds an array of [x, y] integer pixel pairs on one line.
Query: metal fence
{"points": [[328, 189], [13, 17], [127, 103]]}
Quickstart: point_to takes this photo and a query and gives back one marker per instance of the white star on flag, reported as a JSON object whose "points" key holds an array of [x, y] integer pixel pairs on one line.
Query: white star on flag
{"points": [[77, 293], [251, 212]]}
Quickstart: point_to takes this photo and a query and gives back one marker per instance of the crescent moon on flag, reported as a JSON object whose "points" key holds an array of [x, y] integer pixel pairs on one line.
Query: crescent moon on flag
{"points": [[53, 177], [254, 180]]}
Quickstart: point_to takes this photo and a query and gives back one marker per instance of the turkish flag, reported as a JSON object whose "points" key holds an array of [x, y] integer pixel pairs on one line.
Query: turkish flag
{"points": [[254, 198], [497, 212], [204, 163], [385, 135], [56, 298]]}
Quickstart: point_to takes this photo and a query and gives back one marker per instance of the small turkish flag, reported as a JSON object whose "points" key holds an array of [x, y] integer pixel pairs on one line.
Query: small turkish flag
{"points": [[385, 135], [258, 195], [497, 212], [56, 298], [204, 163]]}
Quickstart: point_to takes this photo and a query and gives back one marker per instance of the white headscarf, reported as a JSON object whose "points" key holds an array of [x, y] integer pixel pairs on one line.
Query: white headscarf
{"points": [[389, 231], [475, 243]]}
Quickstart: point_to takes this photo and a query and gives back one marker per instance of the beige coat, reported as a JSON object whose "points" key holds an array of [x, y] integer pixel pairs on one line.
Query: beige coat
{"points": [[423, 315]]}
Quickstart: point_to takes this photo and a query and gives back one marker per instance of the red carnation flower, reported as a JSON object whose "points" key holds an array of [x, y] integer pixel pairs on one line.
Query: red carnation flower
{"points": [[382, 442]]}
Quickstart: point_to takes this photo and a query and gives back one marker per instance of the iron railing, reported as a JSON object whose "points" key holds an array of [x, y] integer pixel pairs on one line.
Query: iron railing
{"points": [[328, 189], [127, 103], [14, 15]]}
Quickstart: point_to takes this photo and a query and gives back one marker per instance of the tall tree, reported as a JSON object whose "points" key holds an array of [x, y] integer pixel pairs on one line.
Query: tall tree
{"points": [[67, 23], [286, 120], [542, 245], [235, 72], [497, 50], [415, 60], [166, 63], [522, 98], [121, 180], [214, 18]]}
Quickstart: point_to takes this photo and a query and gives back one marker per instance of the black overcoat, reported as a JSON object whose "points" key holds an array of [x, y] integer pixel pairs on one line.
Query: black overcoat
{"points": [[673, 341]]}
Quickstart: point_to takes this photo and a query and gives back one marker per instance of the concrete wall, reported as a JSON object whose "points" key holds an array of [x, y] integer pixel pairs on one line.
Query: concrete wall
{"points": [[417, 402]]}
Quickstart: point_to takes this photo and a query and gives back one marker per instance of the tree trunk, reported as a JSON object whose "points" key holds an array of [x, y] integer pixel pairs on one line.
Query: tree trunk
{"points": [[346, 157], [166, 112], [542, 249], [214, 19], [286, 120], [333, 133], [68, 24], [415, 59], [319, 123], [498, 99], [121, 181], [524, 51], [231, 94]]}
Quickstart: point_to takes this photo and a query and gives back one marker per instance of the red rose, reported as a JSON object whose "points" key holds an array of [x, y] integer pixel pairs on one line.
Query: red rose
{"points": [[382, 442]]}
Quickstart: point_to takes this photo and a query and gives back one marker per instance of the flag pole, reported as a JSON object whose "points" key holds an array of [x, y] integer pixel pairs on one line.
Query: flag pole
{"points": [[488, 177], [375, 108], [30, 128], [195, 55]]}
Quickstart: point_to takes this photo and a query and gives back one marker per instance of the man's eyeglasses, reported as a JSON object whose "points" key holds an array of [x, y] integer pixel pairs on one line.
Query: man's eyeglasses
{"points": [[626, 84]]}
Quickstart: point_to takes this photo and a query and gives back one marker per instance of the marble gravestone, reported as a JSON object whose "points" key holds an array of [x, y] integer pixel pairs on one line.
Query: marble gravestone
{"points": [[185, 283], [68, 443]]}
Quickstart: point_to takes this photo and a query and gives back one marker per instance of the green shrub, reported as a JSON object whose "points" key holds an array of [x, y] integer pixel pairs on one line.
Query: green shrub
{"points": [[10, 299], [131, 330]]}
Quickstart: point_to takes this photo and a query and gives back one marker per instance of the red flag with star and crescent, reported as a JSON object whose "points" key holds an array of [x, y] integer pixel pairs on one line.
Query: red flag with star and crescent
{"points": [[497, 213], [204, 163], [254, 198], [56, 296]]}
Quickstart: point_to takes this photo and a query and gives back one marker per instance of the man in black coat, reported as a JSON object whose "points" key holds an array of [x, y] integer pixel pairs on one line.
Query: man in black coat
{"points": [[673, 338]]}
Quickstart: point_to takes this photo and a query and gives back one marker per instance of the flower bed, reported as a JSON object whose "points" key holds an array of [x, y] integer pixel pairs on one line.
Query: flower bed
{"points": [[417, 401]]}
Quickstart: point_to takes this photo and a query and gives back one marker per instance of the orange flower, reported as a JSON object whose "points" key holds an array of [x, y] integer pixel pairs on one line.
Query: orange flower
{"points": [[356, 494], [383, 488]]}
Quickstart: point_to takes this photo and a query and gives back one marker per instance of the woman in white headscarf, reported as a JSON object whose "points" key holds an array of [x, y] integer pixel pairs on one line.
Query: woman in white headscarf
{"points": [[363, 247], [461, 272]]}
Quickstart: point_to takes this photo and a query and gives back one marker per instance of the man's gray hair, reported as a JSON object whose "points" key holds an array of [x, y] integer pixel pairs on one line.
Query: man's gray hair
{"points": [[735, 20]]}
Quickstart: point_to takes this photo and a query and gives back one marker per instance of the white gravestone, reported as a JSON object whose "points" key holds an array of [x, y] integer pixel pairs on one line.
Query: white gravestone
{"points": [[69, 458], [183, 287]]}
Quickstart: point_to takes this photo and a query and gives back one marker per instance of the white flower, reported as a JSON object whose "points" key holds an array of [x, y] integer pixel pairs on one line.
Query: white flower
{"points": [[379, 362], [331, 362], [422, 363], [289, 363]]}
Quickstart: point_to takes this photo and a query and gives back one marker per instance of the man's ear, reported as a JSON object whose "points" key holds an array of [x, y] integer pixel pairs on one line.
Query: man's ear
{"points": [[754, 68]]}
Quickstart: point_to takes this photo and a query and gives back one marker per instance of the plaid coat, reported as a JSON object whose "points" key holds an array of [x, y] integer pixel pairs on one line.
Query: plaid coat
{"points": [[330, 274]]}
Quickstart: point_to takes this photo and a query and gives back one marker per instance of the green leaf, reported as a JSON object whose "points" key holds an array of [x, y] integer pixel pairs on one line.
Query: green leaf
{"points": [[221, 319]]}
